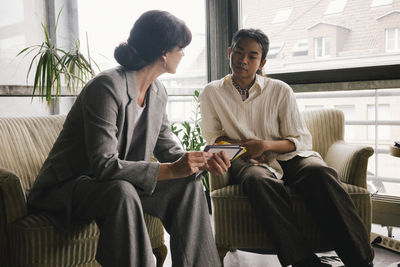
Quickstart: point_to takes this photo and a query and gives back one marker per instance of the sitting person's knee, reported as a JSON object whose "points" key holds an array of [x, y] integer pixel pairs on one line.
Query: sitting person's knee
{"points": [[320, 174], [120, 191]]}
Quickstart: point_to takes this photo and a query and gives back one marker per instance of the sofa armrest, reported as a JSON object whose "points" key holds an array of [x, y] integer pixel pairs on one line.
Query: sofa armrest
{"points": [[12, 197], [218, 181], [350, 162]]}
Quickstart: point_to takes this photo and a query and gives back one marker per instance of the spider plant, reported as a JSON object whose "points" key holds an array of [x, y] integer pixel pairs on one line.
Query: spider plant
{"points": [[53, 63]]}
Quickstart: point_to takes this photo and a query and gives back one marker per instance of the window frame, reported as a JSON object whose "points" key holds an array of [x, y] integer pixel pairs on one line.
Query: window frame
{"points": [[396, 40], [324, 46]]}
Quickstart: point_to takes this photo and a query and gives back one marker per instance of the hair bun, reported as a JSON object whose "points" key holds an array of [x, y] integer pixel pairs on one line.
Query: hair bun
{"points": [[128, 56]]}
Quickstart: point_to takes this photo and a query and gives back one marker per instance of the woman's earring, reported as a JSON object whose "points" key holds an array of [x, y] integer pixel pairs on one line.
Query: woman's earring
{"points": [[165, 64]]}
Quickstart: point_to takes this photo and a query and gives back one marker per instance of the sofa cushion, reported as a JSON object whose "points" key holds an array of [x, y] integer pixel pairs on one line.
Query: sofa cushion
{"points": [[39, 243]]}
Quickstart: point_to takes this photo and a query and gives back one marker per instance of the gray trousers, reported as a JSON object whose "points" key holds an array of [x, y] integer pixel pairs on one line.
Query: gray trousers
{"points": [[326, 200], [118, 209]]}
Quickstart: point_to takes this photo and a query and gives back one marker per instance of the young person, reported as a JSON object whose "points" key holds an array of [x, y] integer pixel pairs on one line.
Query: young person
{"points": [[99, 167], [261, 114]]}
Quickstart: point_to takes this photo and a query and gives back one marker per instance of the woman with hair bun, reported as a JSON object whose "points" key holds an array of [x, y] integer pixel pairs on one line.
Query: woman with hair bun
{"points": [[100, 169]]}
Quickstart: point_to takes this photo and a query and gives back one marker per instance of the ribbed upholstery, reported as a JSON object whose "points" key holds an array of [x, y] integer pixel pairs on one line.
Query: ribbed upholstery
{"points": [[34, 238], [326, 127], [219, 181], [235, 222], [25, 144], [350, 161], [31, 240], [156, 231]]}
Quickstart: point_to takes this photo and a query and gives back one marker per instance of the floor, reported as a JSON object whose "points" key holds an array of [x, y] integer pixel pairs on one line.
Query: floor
{"points": [[383, 257]]}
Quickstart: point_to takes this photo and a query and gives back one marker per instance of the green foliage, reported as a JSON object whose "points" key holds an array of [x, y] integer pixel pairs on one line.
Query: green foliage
{"points": [[189, 133], [53, 63]]}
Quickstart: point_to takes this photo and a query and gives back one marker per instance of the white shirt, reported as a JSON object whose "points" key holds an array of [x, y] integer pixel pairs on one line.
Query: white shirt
{"points": [[270, 113]]}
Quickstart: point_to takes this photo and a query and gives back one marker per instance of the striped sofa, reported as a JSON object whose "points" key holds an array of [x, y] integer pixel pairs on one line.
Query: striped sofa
{"points": [[235, 223], [31, 240]]}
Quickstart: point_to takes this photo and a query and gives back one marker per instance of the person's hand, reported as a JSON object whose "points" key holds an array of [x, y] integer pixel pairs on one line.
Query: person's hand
{"points": [[189, 163], [254, 149], [218, 163]]}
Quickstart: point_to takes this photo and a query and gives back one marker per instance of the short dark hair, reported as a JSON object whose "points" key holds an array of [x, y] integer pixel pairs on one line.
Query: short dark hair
{"points": [[255, 34], [155, 33]]}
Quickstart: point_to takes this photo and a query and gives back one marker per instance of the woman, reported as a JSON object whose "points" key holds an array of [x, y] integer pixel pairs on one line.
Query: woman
{"points": [[99, 167]]}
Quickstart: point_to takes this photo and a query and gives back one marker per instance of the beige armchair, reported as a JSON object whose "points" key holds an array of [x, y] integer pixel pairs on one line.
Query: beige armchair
{"points": [[236, 225], [31, 240]]}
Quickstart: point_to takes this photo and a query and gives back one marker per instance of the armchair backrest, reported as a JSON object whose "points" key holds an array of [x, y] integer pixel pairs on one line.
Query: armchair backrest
{"points": [[25, 143], [326, 127]]}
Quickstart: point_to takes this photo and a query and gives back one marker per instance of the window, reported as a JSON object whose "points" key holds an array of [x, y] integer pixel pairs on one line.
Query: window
{"points": [[301, 48], [185, 105], [19, 28], [274, 50], [392, 40], [335, 6], [375, 3], [11, 12], [383, 114], [349, 114], [282, 15], [321, 47]]}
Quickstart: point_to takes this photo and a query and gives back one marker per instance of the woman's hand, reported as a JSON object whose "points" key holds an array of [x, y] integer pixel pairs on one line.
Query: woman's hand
{"points": [[218, 163], [190, 163]]}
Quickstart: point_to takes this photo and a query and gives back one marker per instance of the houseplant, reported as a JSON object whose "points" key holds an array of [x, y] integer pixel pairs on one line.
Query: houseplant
{"points": [[189, 134], [52, 64]]}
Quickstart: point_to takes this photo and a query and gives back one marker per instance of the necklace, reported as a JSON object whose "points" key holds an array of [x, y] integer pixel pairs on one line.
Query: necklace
{"points": [[244, 93]]}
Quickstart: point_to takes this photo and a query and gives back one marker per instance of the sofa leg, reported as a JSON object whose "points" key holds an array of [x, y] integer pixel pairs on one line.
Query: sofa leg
{"points": [[221, 253], [161, 254]]}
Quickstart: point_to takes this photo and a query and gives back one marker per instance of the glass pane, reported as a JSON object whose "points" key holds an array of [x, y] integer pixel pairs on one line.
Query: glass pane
{"points": [[390, 39], [20, 27], [352, 42], [11, 12], [327, 46], [388, 180], [398, 38], [181, 108], [21, 106]]}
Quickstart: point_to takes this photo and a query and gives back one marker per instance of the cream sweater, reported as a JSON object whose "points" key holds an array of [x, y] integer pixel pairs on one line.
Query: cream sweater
{"points": [[270, 113]]}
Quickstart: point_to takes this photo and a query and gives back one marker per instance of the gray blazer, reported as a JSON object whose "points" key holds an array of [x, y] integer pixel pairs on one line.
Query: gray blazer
{"points": [[96, 140]]}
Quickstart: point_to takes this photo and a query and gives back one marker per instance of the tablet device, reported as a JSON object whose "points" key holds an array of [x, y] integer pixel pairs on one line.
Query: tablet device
{"points": [[232, 151]]}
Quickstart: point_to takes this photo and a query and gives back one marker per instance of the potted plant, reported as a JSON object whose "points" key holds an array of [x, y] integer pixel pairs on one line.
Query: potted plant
{"points": [[189, 134], [53, 63]]}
